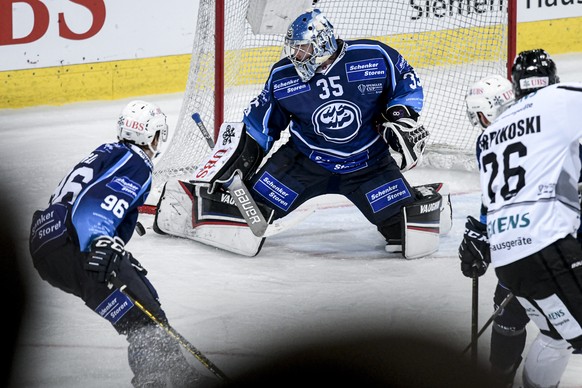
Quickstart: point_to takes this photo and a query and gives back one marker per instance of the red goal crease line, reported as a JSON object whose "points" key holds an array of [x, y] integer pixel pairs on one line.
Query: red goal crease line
{"points": [[147, 209]]}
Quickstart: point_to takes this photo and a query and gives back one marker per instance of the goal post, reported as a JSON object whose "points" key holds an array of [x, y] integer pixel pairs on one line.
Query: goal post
{"points": [[450, 43]]}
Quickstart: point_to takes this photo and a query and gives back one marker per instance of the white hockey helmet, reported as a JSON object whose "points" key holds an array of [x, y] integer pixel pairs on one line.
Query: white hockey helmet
{"points": [[487, 99], [140, 122], [309, 42]]}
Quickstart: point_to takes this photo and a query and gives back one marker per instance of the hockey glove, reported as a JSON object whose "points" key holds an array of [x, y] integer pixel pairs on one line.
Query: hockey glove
{"points": [[405, 136], [136, 264], [474, 249], [104, 258]]}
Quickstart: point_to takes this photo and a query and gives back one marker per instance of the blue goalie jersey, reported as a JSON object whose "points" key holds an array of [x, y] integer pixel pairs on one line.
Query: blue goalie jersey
{"points": [[104, 191], [333, 117]]}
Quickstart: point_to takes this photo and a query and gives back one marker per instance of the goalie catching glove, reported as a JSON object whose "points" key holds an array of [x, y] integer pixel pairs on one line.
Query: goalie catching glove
{"points": [[474, 249], [405, 136]]}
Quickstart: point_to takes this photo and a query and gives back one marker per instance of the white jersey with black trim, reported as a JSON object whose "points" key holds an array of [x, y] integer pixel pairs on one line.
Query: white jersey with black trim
{"points": [[529, 169]]}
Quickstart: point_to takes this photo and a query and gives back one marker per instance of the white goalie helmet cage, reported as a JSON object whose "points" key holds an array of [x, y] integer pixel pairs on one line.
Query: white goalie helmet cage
{"points": [[139, 122], [490, 96], [310, 41]]}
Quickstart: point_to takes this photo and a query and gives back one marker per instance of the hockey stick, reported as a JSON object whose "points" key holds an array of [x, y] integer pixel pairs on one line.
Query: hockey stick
{"points": [[198, 120], [490, 320], [290, 220], [475, 315], [170, 330]]}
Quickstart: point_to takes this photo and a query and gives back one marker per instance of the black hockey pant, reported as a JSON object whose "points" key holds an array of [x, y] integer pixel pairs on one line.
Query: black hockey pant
{"points": [[153, 355], [551, 280]]}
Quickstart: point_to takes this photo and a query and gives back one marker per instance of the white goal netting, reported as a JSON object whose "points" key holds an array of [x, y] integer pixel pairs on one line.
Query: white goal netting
{"points": [[451, 44]]}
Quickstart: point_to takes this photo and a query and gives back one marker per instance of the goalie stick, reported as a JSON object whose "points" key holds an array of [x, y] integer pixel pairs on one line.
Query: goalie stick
{"points": [[198, 120], [170, 331], [247, 205], [290, 220]]}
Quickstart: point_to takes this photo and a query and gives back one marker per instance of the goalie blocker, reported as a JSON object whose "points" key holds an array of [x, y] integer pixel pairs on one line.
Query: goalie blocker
{"points": [[233, 159]]}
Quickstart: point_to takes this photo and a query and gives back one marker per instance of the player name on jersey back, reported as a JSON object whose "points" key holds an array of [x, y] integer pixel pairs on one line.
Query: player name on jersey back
{"points": [[522, 127]]}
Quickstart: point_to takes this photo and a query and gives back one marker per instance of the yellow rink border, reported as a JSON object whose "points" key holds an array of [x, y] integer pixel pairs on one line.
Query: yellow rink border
{"points": [[95, 81], [162, 75], [558, 36]]}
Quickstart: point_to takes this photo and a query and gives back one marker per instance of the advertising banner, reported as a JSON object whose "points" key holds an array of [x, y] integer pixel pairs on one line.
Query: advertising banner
{"points": [[537, 10], [47, 33]]}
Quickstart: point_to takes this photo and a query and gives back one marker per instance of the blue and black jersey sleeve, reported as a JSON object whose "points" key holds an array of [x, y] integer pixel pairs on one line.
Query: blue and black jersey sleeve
{"points": [[105, 190], [264, 118], [406, 85]]}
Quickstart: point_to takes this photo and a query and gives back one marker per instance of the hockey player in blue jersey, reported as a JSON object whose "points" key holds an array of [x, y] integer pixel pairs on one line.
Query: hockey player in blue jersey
{"points": [[77, 243], [352, 110]]}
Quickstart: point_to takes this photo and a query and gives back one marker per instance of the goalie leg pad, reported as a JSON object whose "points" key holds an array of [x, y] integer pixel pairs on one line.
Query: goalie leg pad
{"points": [[174, 209], [421, 225], [446, 221], [188, 211]]}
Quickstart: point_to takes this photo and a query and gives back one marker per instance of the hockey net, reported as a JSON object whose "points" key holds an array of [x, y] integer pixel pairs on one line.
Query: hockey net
{"points": [[451, 44]]}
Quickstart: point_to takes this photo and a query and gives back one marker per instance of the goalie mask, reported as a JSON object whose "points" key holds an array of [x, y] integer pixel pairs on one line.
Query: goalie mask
{"points": [[309, 42], [140, 122], [487, 99], [531, 71]]}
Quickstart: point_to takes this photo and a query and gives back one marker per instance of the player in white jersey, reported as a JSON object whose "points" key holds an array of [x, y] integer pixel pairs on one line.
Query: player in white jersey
{"points": [[529, 168], [485, 101]]}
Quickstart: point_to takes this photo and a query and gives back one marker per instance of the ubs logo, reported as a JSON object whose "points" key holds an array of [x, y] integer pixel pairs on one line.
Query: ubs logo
{"points": [[337, 121]]}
